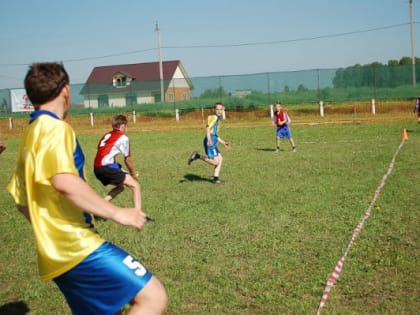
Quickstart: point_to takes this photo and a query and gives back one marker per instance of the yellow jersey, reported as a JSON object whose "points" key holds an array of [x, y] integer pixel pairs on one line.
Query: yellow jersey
{"points": [[64, 234]]}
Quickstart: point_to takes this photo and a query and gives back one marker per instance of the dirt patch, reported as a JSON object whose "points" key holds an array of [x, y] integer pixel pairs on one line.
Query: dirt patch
{"points": [[333, 113]]}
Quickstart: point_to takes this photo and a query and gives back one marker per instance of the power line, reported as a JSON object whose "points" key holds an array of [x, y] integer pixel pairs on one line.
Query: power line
{"points": [[290, 40], [275, 42]]}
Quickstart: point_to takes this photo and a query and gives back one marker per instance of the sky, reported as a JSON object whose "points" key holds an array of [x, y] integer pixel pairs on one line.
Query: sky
{"points": [[209, 37]]}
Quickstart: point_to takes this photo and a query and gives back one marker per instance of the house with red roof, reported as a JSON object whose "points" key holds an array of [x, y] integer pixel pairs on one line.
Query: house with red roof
{"points": [[139, 83]]}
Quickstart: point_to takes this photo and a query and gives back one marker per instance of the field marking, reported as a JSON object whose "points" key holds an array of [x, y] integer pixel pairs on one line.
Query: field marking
{"points": [[339, 265]]}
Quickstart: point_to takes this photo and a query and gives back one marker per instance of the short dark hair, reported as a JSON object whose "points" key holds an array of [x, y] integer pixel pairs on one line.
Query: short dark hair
{"points": [[217, 103], [44, 82], [119, 120]]}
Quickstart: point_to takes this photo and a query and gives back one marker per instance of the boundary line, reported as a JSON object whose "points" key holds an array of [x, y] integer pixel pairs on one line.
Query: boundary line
{"points": [[339, 265]]}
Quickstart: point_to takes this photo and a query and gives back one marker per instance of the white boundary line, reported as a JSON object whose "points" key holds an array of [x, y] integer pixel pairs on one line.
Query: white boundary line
{"points": [[337, 270]]}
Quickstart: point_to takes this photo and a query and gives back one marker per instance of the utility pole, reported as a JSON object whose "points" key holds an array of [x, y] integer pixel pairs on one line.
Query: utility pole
{"points": [[413, 57], [162, 92]]}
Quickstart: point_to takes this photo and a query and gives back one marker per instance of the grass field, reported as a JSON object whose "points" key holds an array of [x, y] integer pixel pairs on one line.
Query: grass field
{"points": [[264, 241]]}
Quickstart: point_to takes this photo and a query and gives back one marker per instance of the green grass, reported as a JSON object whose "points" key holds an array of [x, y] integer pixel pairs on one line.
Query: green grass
{"points": [[267, 239]]}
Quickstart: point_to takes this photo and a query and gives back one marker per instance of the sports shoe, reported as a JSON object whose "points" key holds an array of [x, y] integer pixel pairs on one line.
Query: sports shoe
{"points": [[276, 151], [216, 181], [193, 156], [294, 149]]}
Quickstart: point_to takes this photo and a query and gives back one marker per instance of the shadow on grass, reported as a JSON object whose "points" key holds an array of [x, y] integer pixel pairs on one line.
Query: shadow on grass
{"points": [[266, 149], [15, 308], [194, 178]]}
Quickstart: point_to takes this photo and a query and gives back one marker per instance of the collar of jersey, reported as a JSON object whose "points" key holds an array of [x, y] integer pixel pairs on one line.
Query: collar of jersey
{"points": [[37, 113]]}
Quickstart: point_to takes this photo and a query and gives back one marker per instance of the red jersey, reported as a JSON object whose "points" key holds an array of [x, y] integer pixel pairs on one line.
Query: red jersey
{"points": [[280, 116], [111, 144]]}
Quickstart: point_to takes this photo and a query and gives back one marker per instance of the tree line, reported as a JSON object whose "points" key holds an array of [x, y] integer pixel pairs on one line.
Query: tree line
{"points": [[394, 73]]}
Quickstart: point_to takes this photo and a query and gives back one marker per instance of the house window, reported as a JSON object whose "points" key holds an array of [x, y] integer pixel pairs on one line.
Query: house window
{"points": [[171, 97], [185, 96], [103, 101], [120, 81], [130, 99]]}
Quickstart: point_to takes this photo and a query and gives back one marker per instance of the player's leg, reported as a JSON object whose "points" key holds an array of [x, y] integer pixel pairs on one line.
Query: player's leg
{"points": [[277, 139], [219, 160], [152, 299], [114, 192], [134, 186], [288, 135], [292, 143]]}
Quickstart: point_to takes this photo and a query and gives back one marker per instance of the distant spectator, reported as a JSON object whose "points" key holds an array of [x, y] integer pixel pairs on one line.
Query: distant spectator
{"points": [[417, 108]]}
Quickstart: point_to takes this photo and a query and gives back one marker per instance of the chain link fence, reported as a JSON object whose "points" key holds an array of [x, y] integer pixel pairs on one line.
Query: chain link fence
{"points": [[237, 92]]}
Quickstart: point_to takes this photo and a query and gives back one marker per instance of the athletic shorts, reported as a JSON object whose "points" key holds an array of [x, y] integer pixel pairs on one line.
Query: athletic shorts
{"points": [[109, 175], [283, 132], [211, 151], [103, 282]]}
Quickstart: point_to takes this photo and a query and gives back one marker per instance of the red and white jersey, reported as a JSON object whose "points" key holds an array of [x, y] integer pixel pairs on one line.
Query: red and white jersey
{"points": [[110, 145]]}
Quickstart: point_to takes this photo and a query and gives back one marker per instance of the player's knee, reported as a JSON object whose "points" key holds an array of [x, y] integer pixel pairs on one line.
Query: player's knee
{"points": [[153, 297], [131, 182]]}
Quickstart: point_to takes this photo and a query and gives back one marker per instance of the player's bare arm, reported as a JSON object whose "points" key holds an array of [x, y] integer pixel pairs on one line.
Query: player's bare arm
{"points": [[84, 197], [130, 165]]}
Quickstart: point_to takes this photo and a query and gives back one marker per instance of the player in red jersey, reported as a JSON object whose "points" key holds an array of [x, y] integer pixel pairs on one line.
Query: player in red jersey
{"points": [[108, 171], [281, 121]]}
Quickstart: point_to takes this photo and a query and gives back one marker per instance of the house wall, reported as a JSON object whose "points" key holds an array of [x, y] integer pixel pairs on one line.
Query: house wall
{"points": [[91, 102], [118, 99], [178, 86], [178, 94]]}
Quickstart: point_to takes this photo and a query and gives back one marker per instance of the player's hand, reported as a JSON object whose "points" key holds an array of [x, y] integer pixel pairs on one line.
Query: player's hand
{"points": [[227, 145], [130, 217]]}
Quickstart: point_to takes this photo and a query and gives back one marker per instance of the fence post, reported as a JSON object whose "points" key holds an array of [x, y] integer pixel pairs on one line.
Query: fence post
{"points": [[271, 112], [223, 114], [177, 114], [373, 106], [10, 123], [134, 117], [321, 108], [91, 119]]}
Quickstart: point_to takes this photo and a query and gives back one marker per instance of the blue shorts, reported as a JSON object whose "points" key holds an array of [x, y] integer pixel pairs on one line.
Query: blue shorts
{"points": [[283, 132], [103, 282], [211, 151]]}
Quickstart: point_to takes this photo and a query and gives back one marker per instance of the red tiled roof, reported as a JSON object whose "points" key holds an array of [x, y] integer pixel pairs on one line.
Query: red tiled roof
{"points": [[139, 71]]}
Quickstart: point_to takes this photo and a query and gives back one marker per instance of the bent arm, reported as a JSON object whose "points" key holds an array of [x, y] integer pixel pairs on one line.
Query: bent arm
{"points": [[130, 165], [84, 197]]}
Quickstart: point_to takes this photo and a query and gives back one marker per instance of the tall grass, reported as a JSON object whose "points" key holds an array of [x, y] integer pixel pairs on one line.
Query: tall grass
{"points": [[265, 240]]}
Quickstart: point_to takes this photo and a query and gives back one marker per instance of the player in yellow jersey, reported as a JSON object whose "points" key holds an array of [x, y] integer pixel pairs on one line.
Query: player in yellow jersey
{"points": [[48, 186], [214, 157]]}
